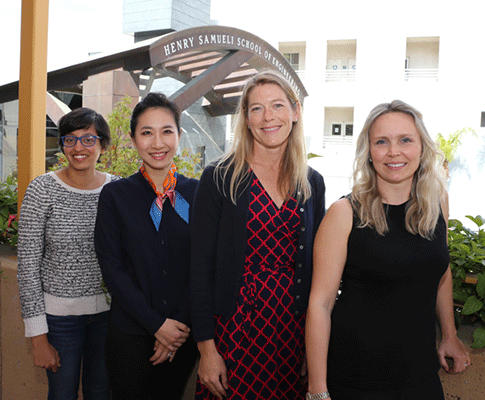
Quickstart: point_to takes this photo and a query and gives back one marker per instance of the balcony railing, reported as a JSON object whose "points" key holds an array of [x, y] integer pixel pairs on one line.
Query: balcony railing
{"points": [[337, 140], [300, 73], [340, 75], [430, 74]]}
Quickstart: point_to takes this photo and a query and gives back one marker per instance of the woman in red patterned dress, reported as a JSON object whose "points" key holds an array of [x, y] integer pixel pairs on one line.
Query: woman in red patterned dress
{"points": [[255, 215]]}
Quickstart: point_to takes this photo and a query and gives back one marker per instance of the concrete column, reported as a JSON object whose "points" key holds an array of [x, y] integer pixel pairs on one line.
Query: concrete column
{"points": [[32, 92], [102, 91]]}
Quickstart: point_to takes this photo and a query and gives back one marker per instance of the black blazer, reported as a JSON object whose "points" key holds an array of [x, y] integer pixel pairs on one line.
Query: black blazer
{"points": [[147, 272], [219, 242]]}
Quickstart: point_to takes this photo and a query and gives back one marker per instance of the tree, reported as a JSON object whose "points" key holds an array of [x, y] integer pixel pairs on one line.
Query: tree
{"points": [[449, 145]]}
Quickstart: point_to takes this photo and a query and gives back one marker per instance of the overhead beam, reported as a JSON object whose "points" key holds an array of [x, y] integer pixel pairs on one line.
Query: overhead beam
{"points": [[55, 109], [212, 76], [130, 60], [228, 106]]}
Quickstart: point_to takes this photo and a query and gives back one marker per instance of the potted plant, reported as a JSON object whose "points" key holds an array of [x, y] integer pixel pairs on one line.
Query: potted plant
{"points": [[467, 262], [8, 211]]}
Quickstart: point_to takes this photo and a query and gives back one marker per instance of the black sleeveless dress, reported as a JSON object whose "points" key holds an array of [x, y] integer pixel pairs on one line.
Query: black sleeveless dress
{"points": [[383, 333]]}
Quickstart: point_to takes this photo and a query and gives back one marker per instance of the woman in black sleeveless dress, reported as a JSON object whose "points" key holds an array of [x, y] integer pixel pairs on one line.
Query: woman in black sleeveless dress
{"points": [[385, 247]]}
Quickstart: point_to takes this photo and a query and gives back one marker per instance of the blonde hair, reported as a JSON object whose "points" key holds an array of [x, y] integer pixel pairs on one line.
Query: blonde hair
{"points": [[293, 174], [427, 190]]}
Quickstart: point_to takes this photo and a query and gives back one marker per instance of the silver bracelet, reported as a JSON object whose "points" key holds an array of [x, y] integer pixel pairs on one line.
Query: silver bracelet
{"points": [[318, 396]]}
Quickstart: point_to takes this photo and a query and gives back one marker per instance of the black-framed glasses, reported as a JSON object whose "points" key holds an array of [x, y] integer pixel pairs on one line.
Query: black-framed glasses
{"points": [[86, 140]]}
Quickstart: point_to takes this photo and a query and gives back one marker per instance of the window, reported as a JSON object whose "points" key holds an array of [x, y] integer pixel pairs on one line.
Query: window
{"points": [[294, 53], [341, 61], [349, 129], [422, 58], [336, 129], [293, 59], [338, 124]]}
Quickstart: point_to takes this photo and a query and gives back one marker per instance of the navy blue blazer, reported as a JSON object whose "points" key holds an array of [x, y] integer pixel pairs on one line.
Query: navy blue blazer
{"points": [[219, 241], [147, 272]]}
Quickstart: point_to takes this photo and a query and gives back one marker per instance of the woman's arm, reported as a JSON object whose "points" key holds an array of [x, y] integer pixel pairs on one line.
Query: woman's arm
{"points": [[206, 220], [318, 193], [32, 225], [450, 345], [44, 354], [330, 254], [212, 368], [31, 245]]}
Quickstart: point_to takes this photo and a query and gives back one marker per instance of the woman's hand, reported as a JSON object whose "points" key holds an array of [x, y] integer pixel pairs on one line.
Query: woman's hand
{"points": [[453, 348], [162, 353], [304, 372], [44, 354], [212, 369], [172, 334]]}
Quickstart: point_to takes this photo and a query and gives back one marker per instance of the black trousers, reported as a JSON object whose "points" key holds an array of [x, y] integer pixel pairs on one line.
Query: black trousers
{"points": [[428, 390], [133, 377]]}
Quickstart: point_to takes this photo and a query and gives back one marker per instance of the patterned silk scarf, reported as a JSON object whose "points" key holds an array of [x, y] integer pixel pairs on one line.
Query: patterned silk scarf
{"points": [[179, 204]]}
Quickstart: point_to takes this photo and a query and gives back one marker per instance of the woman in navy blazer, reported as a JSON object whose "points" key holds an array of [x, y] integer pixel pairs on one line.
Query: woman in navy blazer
{"points": [[142, 241], [255, 215]]}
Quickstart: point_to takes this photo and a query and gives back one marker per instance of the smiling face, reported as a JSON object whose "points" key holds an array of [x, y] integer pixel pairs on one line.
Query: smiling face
{"points": [[156, 139], [270, 116], [395, 149], [83, 158]]}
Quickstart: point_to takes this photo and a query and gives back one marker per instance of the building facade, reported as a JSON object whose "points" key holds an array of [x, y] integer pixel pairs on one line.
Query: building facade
{"points": [[427, 57], [350, 56]]}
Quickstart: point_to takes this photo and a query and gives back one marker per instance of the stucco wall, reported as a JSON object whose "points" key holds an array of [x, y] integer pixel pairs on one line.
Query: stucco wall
{"points": [[20, 379]]}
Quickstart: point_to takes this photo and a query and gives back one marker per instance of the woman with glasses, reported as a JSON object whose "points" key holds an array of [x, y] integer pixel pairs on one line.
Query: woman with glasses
{"points": [[142, 239], [63, 305]]}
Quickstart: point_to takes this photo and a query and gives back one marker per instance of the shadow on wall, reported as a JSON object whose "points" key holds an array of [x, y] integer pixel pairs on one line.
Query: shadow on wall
{"points": [[466, 160], [459, 168], [481, 155], [467, 177]]}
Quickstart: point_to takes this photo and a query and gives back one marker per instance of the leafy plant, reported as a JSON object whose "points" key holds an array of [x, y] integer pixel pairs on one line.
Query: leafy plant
{"points": [[8, 211], [449, 145], [312, 155], [188, 164], [467, 261], [119, 158]]}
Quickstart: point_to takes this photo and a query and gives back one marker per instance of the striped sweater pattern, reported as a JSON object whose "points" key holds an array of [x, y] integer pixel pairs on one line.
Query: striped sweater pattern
{"points": [[57, 261]]}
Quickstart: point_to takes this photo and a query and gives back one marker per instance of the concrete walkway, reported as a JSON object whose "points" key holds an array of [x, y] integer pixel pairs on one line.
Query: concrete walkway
{"points": [[469, 385]]}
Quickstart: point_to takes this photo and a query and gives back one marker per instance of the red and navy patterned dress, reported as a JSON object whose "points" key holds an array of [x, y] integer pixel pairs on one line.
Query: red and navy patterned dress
{"points": [[263, 342]]}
